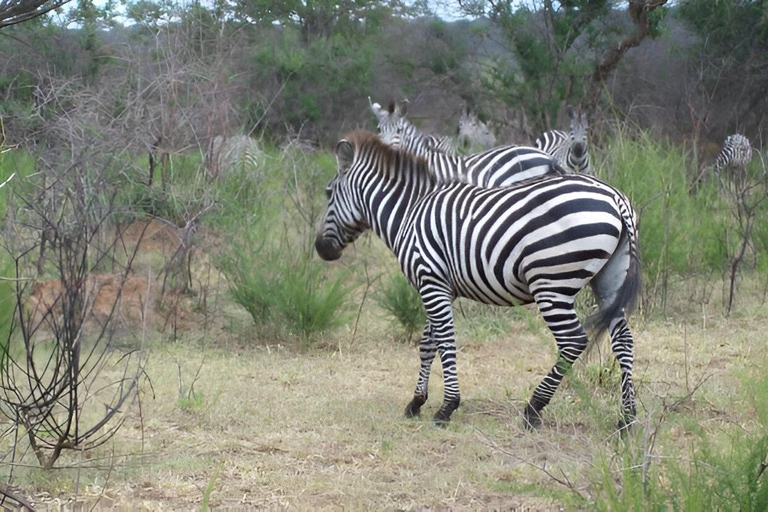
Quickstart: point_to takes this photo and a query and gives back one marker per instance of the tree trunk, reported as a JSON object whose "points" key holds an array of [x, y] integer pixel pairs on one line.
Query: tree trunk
{"points": [[638, 11]]}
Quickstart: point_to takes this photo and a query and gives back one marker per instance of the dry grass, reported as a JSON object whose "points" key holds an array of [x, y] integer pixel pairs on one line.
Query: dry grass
{"points": [[289, 425], [295, 425]]}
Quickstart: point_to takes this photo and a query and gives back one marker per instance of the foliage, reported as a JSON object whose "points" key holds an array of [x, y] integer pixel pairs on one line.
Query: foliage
{"points": [[402, 302], [715, 474], [312, 76], [283, 292], [684, 229], [271, 267], [733, 41]]}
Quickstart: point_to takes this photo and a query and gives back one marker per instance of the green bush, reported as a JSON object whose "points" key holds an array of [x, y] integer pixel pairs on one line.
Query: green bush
{"points": [[723, 472], [283, 292], [403, 303]]}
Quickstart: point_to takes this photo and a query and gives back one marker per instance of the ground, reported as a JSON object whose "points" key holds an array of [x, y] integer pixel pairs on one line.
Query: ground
{"points": [[299, 426], [228, 415]]}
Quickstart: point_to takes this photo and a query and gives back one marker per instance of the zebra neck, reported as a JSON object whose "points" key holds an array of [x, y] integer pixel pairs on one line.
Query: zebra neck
{"points": [[391, 202], [446, 168]]}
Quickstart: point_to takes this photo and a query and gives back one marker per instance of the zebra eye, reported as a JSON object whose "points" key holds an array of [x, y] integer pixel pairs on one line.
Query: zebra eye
{"points": [[328, 192]]}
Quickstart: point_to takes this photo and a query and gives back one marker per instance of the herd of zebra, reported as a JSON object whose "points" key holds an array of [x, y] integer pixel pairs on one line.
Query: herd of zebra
{"points": [[508, 226]]}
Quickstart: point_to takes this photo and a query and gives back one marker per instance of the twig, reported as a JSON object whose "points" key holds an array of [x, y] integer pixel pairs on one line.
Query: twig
{"points": [[564, 481]]}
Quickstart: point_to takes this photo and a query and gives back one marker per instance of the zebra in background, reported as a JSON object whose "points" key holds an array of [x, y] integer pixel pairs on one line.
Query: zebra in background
{"points": [[570, 148], [397, 131], [497, 167], [735, 156], [538, 242], [236, 153], [473, 133]]}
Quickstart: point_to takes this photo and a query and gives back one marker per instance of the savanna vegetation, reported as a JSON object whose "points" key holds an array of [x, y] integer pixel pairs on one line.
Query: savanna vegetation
{"points": [[171, 340]]}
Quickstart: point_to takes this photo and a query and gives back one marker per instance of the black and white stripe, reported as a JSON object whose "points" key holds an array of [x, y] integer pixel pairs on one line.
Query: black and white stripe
{"points": [[736, 153], [538, 242], [497, 167], [571, 148], [398, 132]]}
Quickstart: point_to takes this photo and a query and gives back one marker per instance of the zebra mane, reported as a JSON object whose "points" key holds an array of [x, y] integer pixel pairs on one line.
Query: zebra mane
{"points": [[389, 157]]}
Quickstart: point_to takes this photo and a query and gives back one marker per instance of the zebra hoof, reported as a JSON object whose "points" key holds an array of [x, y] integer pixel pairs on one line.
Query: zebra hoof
{"points": [[531, 418], [624, 426], [442, 418], [443, 415], [413, 409]]}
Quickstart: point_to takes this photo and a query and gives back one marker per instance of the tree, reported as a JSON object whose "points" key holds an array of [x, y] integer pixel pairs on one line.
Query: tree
{"points": [[557, 46], [314, 18], [13, 12], [733, 50], [645, 16]]}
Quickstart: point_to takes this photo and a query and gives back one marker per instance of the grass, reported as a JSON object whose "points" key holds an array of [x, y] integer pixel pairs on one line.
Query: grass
{"points": [[277, 422], [303, 427]]}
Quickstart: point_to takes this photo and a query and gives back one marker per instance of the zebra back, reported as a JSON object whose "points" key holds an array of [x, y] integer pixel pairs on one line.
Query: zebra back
{"points": [[236, 153]]}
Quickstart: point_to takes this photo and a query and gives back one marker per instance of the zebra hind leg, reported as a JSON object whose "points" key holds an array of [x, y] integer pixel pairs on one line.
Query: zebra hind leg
{"points": [[427, 350], [622, 345], [571, 341]]}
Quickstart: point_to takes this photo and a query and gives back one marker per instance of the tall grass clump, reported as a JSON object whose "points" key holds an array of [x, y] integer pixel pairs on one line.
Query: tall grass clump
{"points": [[681, 230], [270, 260], [720, 470], [285, 292], [402, 303]]}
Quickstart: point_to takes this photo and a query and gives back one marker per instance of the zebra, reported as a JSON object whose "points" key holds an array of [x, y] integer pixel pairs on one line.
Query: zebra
{"points": [[569, 148], [540, 242], [473, 133], [735, 155], [497, 167], [236, 153], [396, 130]]}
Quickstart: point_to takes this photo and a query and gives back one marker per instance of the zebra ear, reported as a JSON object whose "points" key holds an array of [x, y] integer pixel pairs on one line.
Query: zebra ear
{"points": [[400, 108], [345, 153], [377, 110], [570, 111]]}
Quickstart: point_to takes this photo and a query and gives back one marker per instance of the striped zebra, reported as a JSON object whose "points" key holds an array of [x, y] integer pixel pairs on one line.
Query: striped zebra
{"points": [[539, 242], [569, 148], [497, 167], [473, 133], [397, 131], [735, 156], [232, 154]]}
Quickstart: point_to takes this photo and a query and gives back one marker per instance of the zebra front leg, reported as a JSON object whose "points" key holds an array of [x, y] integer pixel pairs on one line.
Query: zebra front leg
{"points": [[622, 345], [571, 341], [427, 350], [440, 316]]}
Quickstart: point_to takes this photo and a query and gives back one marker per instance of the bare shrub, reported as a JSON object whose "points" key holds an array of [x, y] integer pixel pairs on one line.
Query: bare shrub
{"points": [[67, 374]]}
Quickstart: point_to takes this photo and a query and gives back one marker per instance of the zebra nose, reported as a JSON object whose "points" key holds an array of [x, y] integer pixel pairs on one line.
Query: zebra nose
{"points": [[579, 149], [327, 248]]}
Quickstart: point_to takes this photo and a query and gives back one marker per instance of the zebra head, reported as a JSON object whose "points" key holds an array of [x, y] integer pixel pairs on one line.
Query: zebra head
{"points": [[344, 220], [394, 128], [578, 132], [473, 132]]}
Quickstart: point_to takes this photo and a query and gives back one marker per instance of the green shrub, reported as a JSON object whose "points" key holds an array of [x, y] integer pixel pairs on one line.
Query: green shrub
{"points": [[724, 472], [283, 292], [403, 303]]}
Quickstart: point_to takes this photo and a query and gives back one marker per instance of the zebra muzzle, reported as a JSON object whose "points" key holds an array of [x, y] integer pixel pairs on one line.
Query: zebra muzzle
{"points": [[327, 248]]}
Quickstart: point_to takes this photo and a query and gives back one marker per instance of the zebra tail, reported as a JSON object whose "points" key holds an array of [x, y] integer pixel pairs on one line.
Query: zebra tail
{"points": [[626, 298]]}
